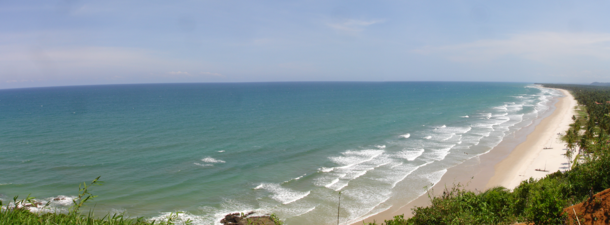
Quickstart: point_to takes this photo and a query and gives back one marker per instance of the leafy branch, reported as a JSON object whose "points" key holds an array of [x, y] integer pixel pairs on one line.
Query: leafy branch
{"points": [[84, 195]]}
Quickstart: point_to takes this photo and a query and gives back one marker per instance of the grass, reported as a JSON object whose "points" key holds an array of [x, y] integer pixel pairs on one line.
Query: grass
{"points": [[17, 212], [538, 201], [24, 216]]}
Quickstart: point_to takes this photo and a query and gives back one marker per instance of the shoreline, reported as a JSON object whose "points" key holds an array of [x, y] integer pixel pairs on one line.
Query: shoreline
{"points": [[543, 151], [514, 159]]}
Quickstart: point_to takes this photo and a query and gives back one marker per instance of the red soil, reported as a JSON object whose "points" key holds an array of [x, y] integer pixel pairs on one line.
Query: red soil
{"points": [[595, 210]]}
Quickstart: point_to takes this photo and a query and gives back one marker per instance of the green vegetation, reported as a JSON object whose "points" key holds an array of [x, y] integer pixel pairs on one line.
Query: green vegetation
{"points": [[276, 219], [538, 201], [17, 212]]}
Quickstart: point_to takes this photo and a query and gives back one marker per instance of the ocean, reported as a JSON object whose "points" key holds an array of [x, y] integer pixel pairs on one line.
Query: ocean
{"points": [[206, 150]]}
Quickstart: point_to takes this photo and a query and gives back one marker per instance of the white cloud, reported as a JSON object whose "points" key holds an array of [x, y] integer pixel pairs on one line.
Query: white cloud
{"points": [[212, 74], [542, 47], [352, 25]]}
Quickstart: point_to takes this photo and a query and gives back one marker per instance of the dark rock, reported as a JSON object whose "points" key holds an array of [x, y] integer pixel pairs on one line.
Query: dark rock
{"points": [[33, 204], [230, 219], [246, 219]]}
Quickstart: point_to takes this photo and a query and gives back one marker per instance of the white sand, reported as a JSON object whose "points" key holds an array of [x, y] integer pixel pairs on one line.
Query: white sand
{"points": [[531, 155]]}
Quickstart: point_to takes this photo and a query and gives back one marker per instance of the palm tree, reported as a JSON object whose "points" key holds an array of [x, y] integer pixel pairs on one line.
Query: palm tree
{"points": [[570, 139]]}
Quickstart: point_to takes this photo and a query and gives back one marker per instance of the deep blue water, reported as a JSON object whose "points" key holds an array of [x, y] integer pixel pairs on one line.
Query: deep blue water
{"points": [[284, 148]]}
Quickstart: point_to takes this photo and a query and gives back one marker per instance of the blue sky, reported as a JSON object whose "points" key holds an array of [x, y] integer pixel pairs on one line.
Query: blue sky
{"points": [[51, 43]]}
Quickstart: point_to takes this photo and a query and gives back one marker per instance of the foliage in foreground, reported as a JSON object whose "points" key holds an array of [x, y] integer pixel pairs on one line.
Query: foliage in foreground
{"points": [[538, 201], [17, 212], [24, 216]]}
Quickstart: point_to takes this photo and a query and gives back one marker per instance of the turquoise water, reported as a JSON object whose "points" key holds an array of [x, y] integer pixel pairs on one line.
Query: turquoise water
{"points": [[284, 148]]}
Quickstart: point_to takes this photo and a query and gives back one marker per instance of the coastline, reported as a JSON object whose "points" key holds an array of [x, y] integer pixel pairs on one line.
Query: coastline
{"points": [[543, 149], [516, 158]]}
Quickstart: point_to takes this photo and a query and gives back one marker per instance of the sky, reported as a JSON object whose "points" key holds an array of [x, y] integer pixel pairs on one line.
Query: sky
{"points": [[73, 42]]}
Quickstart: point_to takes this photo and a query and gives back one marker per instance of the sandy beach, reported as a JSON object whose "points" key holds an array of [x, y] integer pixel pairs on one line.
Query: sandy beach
{"points": [[542, 152], [533, 151]]}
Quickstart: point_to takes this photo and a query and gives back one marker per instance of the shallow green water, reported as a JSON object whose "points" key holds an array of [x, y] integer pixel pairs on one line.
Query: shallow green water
{"points": [[286, 148]]}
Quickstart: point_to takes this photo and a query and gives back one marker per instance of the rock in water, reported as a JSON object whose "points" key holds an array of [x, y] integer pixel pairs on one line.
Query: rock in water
{"points": [[246, 219]]}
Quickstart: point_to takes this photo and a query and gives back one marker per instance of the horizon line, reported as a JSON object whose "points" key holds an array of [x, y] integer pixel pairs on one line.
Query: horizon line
{"points": [[261, 82]]}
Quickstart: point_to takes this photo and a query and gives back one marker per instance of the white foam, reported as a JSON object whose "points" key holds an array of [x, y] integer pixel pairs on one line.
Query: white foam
{"points": [[502, 108], [450, 136], [467, 129], [325, 170], [291, 210], [436, 176], [332, 182], [55, 204], [369, 214], [398, 164], [398, 173], [353, 174], [472, 140], [439, 154], [62, 200], [213, 215], [428, 137], [282, 194], [181, 218], [486, 115], [380, 146], [453, 130], [410, 154], [297, 178], [535, 111], [405, 172], [365, 198], [484, 125], [515, 107], [204, 165], [353, 164], [351, 158], [517, 118], [339, 185], [221, 151], [407, 135], [305, 211], [212, 160], [466, 116], [383, 164]]}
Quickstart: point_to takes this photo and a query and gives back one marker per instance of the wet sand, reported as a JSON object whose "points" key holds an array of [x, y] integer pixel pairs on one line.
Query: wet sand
{"points": [[516, 158]]}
